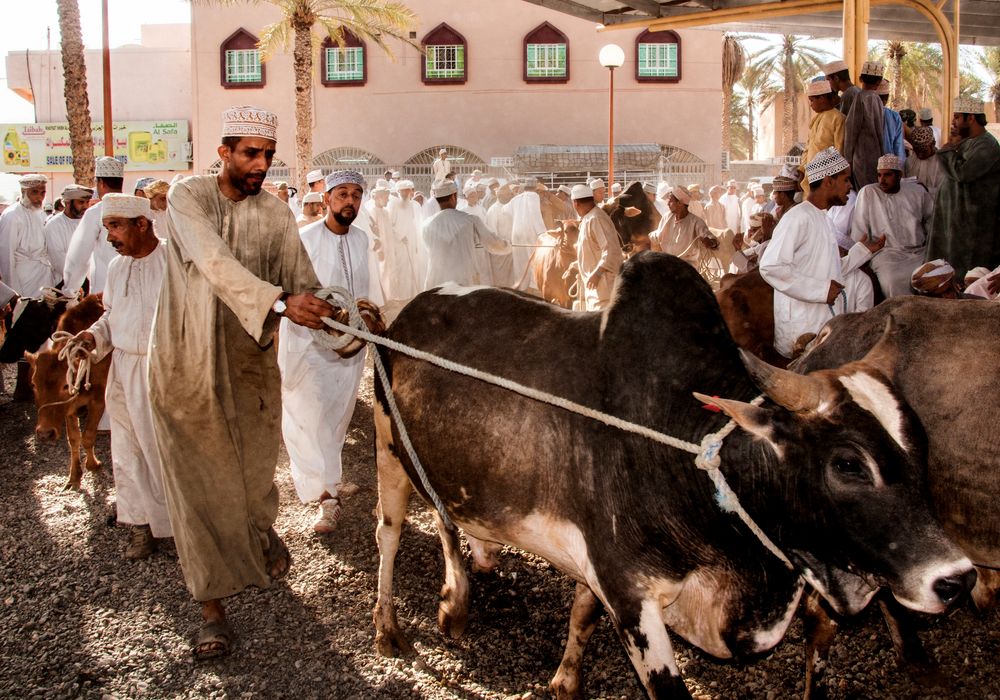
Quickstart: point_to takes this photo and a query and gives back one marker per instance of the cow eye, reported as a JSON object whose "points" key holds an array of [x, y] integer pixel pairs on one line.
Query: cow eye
{"points": [[850, 467]]}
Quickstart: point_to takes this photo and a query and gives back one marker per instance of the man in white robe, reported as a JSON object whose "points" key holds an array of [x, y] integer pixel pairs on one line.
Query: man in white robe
{"points": [[681, 233], [731, 202], [803, 264], [752, 205], [130, 296], [89, 252], [696, 206], [312, 209], [25, 264], [598, 252], [599, 189], [59, 229], [527, 225], [441, 167], [235, 266], [900, 211], [715, 210], [452, 237], [472, 205], [924, 164], [319, 387], [407, 216], [500, 220]]}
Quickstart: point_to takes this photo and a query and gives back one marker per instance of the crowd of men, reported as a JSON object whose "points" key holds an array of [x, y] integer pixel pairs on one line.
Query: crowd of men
{"points": [[201, 275]]}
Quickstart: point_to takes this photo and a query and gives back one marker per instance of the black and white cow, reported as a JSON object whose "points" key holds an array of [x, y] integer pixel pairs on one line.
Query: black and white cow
{"points": [[830, 467]]}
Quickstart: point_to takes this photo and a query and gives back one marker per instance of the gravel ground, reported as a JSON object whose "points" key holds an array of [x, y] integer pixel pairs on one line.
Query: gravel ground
{"points": [[77, 620]]}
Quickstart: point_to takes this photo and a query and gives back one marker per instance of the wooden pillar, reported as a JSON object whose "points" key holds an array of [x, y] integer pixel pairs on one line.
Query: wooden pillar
{"points": [[109, 133], [857, 16]]}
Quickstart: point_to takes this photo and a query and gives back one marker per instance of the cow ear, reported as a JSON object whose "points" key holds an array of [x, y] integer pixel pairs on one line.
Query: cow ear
{"points": [[753, 419], [884, 353], [30, 357], [632, 211]]}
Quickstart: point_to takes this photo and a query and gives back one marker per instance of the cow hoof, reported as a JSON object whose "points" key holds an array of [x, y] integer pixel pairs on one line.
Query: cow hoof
{"points": [[94, 466], [392, 644], [451, 625], [72, 485], [563, 688]]}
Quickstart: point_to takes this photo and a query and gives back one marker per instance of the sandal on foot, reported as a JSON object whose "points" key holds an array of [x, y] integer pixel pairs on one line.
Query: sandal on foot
{"points": [[215, 639], [277, 557], [329, 516], [347, 489]]}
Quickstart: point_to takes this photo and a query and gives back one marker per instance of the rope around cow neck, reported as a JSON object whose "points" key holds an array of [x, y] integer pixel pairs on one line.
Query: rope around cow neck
{"points": [[706, 453], [77, 373]]}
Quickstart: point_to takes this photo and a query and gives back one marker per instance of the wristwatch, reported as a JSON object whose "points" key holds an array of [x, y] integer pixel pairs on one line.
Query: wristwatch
{"points": [[279, 306]]}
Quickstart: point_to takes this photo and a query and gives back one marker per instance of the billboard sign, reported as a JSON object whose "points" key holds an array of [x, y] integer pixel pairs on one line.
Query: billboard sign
{"points": [[140, 145]]}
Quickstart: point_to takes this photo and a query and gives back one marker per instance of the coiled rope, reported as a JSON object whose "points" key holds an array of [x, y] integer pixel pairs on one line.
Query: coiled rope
{"points": [[77, 359], [706, 453]]}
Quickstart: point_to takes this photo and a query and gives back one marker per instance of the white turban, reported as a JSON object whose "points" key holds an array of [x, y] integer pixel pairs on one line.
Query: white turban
{"points": [[680, 194], [408, 185], [933, 277], [124, 206], [819, 87], [662, 190], [314, 176], [250, 121], [834, 67], [889, 161], [344, 177], [566, 189], [75, 191], [441, 188], [582, 192], [32, 180], [596, 184], [313, 198]]}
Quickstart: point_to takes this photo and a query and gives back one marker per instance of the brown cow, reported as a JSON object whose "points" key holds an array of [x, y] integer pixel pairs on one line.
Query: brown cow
{"points": [[55, 403], [747, 304], [554, 267]]}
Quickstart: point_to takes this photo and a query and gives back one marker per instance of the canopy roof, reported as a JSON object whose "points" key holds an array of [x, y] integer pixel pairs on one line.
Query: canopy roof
{"points": [[980, 19]]}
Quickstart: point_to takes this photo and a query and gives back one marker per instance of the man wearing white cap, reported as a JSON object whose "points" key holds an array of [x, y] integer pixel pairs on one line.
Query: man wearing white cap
{"points": [[235, 266], [318, 386], [662, 192], [376, 212], [527, 225], [839, 76], [599, 189], [715, 210], [598, 252], [865, 128], [926, 117], [24, 260], [731, 201], [900, 211], [59, 229], [89, 252], [681, 233], [826, 128], [696, 207], [130, 295], [312, 209], [783, 190], [407, 217], [451, 238], [441, 165], [500, 220], [753, 205], [802, 262], [966, 226]]}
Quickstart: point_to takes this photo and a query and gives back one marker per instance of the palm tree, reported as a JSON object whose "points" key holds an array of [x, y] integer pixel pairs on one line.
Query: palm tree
{"points": [[740, 139], [370, 20], [81, 138], [895, 53], [796, 61], [970, 85], [733, 62], [990, 60], [759, 90], [915, 71]]}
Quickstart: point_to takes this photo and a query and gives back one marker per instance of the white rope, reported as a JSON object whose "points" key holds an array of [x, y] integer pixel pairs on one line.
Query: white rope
{"points": [[78, 372], [707, 452]]}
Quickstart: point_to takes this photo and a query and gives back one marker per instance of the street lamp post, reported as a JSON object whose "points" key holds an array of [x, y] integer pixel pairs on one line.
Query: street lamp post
{"points": [[611, 57]]}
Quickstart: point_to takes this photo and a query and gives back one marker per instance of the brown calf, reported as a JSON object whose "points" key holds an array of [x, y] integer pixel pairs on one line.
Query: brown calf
{"points": [[56, 405]]}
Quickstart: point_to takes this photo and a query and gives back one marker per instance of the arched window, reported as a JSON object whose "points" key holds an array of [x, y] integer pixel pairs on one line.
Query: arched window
{"points": [[344, 66], [240, 61], [658, 57], [546, 55], [446, 57]]}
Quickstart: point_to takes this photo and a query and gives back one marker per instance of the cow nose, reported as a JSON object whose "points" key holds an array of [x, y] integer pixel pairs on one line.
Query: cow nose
{"points": [[950, 588], [45, 434]]}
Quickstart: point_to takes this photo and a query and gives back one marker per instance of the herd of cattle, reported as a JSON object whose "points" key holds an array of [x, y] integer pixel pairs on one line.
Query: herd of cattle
{"points": [[871, 464]]}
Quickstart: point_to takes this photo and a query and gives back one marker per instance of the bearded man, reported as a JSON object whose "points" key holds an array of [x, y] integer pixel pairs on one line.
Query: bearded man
{"points": [[24, 260], [60, 227]]}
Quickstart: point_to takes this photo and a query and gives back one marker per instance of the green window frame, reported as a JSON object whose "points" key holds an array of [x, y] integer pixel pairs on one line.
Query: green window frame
{"points": [[658, 61], [243, 66], [445, 61], [546, 61], [345, 64]]}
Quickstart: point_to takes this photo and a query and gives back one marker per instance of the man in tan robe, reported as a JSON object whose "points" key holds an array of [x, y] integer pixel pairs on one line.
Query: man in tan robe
{"points": [[682, 233], [235, 266], [598, 250]]}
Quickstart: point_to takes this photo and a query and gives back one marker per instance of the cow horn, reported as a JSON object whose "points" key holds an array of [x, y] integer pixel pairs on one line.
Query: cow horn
{"points": [[796, 392]]}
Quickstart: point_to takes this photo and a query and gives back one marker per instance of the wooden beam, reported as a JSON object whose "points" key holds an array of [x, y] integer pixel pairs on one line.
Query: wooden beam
{"points": [[570, 8], [650, 7]]}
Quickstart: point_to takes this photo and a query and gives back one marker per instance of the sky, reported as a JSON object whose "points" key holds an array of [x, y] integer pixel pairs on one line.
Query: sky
{"points": [[33, 27]]}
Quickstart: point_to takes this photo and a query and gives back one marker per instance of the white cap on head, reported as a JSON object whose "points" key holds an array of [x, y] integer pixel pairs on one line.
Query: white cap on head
{"points": [[758, 191], [125, 206], [649, 188], [883, 88], [680, 194], [975, 274], [889, 161], [408, 185], [596, 183], [818, 88], [968, 105], [313, 198], [381, 187], [383, 183], [662, 190], [731, 183], [828, 162], [925, 114], [443, 188], [344, 177], [616, 188], [75, 191], [32, 180], [314, 176], [834, 67], [477, 171], [396, 174], [582, 192], [566, 189], [784, 184], [106, 166], [442, 151], [250, 121], [873, 68]]}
